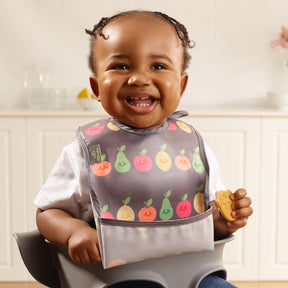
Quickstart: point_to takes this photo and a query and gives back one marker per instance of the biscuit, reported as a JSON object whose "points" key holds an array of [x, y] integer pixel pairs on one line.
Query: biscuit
{"points": [[224, 204]]}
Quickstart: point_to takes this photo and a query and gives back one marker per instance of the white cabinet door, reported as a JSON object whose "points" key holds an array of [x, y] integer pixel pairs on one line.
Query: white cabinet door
{"points": [[274, 200], [46, 140], [13, 204], [236, 142]]}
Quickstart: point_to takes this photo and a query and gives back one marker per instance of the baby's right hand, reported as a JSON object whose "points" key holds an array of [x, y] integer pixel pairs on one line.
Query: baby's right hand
{"points": [[83, 245]]}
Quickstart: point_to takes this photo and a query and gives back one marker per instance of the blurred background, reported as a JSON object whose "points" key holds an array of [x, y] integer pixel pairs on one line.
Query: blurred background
{"points": [[229, 63]]}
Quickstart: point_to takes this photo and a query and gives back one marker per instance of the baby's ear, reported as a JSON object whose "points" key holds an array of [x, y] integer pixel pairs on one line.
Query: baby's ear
{"points": [[94, 86], [184, 81]]}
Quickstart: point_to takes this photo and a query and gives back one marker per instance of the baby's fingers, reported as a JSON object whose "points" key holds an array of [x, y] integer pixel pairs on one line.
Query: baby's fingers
{"points": [[241, 203], [242, 213], [239, 194], [237, 224]]}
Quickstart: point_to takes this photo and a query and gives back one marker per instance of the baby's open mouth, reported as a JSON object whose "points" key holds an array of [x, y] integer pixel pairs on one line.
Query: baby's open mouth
{"points": [[141, 101]]}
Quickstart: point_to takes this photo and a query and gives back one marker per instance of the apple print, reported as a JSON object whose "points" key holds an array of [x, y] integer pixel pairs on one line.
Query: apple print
{"points": [[143, 162], [147, 213], [184, 207], [116, 262], [105, 213], [172, 126], [103, 168], [96, 129]]}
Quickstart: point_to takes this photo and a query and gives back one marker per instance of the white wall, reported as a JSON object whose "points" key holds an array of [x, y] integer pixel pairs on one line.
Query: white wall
{"points": [[229, 61]]}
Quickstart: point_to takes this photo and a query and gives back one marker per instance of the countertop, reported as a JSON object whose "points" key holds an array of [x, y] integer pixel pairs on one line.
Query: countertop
{"points": [[197, 112]]}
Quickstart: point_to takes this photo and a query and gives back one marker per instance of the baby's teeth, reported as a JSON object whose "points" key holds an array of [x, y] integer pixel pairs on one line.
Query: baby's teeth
{"points": [[135, 98], [142, 105]]}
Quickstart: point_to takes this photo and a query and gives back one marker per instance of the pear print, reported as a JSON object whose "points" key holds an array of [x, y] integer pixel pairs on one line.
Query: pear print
{"points": [[166, 211], [163, 159], [125, 212], [197, 162], [122, 164]]}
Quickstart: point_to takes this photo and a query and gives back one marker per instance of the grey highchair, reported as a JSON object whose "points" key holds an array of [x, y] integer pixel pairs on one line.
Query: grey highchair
{"points": [[52, 266]]}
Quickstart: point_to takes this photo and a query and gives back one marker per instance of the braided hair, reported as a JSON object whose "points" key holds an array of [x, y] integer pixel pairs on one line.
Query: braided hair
{"points": [[180, 29]]}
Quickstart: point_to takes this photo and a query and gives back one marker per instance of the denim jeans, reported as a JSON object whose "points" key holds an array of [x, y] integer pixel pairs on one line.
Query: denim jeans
{"points": [[211, 281], [214, 281]]}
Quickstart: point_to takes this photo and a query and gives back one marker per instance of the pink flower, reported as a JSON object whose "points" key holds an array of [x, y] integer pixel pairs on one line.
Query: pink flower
{"points": [[282, 40]]}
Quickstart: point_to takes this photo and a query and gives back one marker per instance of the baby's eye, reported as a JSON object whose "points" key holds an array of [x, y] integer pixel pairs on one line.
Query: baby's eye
{"points": [[120, 66], [158, 66]]}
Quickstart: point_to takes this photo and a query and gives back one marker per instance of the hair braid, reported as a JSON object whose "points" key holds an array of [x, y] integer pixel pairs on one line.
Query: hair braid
{"points": [[180, 29]]}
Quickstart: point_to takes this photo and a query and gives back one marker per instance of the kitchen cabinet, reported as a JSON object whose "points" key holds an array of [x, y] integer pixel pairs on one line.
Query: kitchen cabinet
{"points": [[273, 200], [13, 204], [251, 148]]}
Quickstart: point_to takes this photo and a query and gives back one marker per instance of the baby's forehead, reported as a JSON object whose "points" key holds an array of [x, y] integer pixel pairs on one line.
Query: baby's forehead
{"points": [[138, 18], [139, 31]]}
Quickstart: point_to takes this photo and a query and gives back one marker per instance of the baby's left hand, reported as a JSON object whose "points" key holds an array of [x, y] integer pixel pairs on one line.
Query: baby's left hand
{"points": [[242, 210]]}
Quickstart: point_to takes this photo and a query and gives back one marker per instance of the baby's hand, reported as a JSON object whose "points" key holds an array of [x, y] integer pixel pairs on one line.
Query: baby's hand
{"points": [[242, 210], [83, 246]]}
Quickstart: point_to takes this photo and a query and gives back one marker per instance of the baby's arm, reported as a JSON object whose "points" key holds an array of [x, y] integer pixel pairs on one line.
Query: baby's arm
{"points": [[242, 210], [61, 228]]}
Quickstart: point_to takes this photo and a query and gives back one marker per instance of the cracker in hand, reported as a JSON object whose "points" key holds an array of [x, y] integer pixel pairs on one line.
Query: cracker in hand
{"points": [[224, 204]]}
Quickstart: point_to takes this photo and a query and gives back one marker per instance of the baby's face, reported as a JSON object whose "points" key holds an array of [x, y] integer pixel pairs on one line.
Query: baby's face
{"points": [[138, 75]]}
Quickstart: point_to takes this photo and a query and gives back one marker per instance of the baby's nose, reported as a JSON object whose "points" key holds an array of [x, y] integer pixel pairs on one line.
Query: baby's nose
{"points": [[139, 78]]}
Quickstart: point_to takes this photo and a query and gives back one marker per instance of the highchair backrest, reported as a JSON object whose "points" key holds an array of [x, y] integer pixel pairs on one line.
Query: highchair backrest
{"points": [[52, 266]]}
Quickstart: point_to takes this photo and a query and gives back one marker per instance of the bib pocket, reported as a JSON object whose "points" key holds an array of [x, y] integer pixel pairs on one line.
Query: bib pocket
{"points": [[123, 242]]}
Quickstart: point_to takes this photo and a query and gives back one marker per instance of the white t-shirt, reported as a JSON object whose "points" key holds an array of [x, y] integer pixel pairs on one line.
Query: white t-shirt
{"points": [[67, 185]]}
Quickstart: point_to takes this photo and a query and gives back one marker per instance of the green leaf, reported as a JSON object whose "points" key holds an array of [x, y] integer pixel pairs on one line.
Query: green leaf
{"points": [[182, 152], [200, 188], [127, 200], [184, 198], [163, 147], [122, 148], [168, 194], [143, 152], [148, 203], [104, 208]]}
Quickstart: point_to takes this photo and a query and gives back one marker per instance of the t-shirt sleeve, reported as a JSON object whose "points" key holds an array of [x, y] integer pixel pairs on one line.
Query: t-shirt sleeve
{"points": [[215, 182], [66, 187]]}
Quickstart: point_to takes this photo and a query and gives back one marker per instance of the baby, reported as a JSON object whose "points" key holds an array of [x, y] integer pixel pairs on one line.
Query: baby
{"points": [[138, 60]]}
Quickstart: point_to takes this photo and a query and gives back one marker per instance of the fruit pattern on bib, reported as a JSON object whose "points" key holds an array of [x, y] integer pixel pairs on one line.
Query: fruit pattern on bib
{"points": [[142, 163]]}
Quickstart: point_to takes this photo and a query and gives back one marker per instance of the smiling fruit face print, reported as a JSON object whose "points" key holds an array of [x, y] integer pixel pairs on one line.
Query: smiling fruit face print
{"points": [[103, 168], [182, 161], [143, 162], [125, 212], [197, 163], [166, 211], [95, 129], [163, 159], [147, 213], [184, 207], [122, 164]]}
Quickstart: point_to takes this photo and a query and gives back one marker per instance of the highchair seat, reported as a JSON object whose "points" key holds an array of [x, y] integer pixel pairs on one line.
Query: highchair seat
{"points": [[52, 266]]}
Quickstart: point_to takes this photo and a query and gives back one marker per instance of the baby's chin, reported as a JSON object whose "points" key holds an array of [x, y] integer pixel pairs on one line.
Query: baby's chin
{"points": [[143, 122]]}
